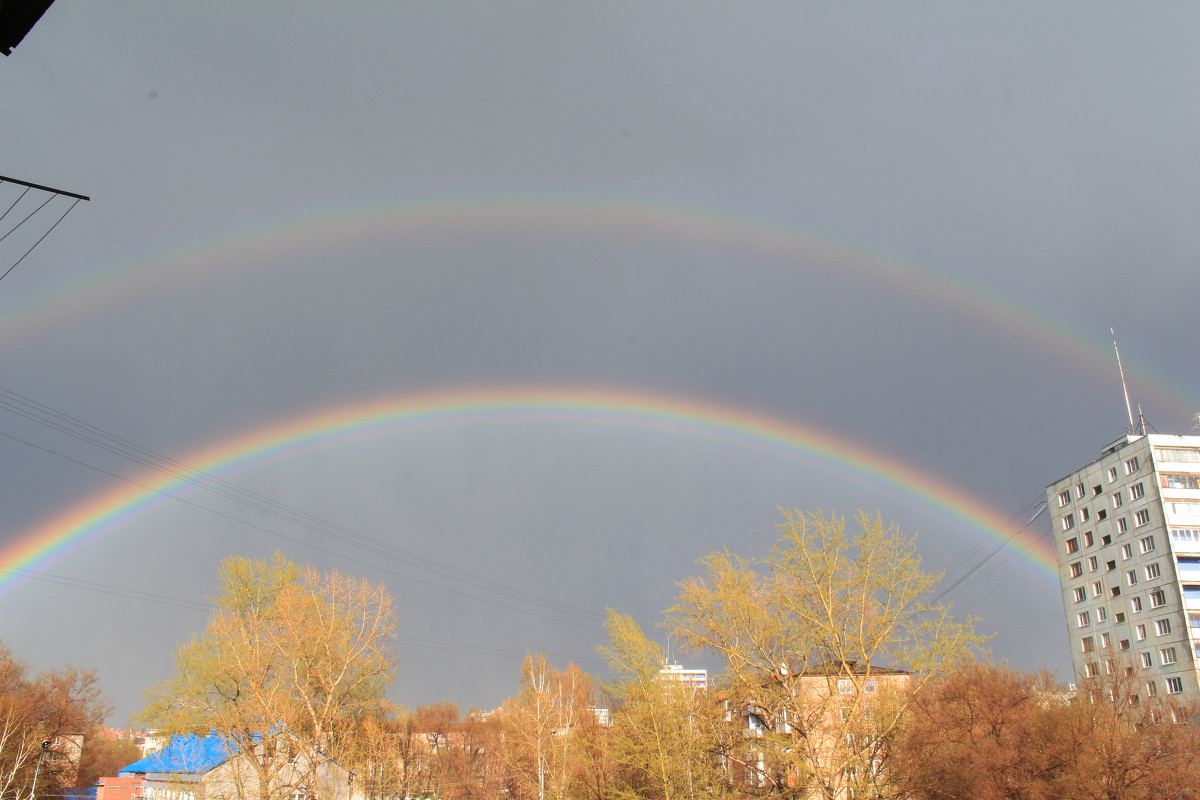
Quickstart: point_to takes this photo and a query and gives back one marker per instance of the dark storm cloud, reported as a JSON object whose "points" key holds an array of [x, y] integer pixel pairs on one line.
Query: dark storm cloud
{"points": [[1044, 155]]}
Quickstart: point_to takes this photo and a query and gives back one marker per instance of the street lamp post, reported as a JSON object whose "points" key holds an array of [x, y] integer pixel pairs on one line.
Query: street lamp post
{"points": [[38, 768]]}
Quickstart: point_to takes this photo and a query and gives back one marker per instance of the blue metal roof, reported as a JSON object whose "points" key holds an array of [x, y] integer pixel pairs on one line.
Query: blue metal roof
{"points": [[190, 754]]}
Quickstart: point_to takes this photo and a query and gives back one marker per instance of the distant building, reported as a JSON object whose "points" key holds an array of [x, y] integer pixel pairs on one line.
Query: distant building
{"points": [[830, 691], [203, 768], [695, 679], [1126, 529], [127, 788]]}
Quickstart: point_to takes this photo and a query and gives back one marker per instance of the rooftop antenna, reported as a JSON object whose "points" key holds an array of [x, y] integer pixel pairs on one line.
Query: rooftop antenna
{"points": [[1124, 388]]}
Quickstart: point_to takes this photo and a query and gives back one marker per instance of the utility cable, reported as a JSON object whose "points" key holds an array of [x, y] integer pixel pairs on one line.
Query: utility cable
{"points": [[90, 434], [31, 213], [14, 204], [293, 539], [998, 548], [39, 241]]}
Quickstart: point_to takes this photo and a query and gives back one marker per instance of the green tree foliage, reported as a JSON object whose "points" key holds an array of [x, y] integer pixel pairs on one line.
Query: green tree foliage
{"points": [[290, 664], [62, 707], [667, 740], [805, 632]]}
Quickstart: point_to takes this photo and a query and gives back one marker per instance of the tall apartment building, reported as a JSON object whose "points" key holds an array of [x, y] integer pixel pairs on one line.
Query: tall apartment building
{"points": [[1127, 531]]}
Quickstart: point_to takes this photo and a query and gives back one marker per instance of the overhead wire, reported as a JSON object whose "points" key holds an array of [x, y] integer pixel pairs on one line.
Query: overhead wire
{"points": [[40, 240], [1001, 546], [286, 537], [20, 197], [90, 434]]}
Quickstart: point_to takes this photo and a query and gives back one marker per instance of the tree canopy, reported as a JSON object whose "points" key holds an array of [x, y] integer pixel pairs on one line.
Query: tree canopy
{"points": [[292, 660]]}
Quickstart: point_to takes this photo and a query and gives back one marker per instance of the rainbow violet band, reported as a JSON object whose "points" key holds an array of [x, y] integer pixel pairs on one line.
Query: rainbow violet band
{"points": [[659, 414], [521, 215]]}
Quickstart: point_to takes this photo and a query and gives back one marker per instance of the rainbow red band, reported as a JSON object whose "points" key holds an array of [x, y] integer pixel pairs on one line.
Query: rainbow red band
{"points": [[658, 414]]}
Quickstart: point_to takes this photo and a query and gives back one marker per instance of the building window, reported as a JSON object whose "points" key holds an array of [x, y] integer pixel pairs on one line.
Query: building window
{"points": [[1122, 525], [1182, 481], [1180, 455], [1087, 644], [845, 686], [1080, 594], [1136, 604], [1140, 630], [1092, 564], [1084, 516], [1131, 577], [1101, 514], [1097, 589], [1112, 474], [1152, 571], [1089, 669], [1076, 569], [1162, 626], [1064, 497], [1147, 660], [1131, 466], [1194, 619], [1096, 490], [1151, 689], [1068, 522], [1105, 641], [1120, 617], [1116, 591], [1185, 535], [1116, 500], [1107, 540], [1101, 614], [1072, 545], [1147, 544], [1124, 644], [1110, 565], [1166, 656], [1141, 518], [1087, 539], [1174, 685], [1085, 619], [1158, 598], [1136, 492], [1079, 492], [868, 686], [1126, 552]]}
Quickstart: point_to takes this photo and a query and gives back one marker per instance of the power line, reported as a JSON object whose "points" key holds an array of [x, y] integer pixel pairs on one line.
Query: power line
{"points": [[48, 417], [52, 194], [1001, 546]]}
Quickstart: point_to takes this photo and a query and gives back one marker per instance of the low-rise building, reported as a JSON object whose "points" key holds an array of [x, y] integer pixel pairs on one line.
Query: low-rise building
{"points": [[204, 768]]}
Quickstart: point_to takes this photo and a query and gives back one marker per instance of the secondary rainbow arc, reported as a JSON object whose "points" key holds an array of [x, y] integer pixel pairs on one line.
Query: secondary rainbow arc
{"points": [[395, 415], [624, 215]]}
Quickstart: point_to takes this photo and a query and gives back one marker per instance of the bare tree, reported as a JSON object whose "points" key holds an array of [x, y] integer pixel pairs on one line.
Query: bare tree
{"points": [[59, 708]]}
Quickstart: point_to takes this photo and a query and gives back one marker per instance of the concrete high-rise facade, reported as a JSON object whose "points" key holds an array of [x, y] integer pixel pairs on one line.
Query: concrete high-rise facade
{"points": [[1127, 531]]}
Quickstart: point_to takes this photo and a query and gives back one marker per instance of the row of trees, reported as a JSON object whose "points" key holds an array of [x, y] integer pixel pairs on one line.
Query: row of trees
{"points": [[296, 660], [50, 730]]}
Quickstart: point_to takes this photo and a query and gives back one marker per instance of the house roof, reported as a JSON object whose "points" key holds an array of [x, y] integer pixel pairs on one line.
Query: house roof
{"points": [[186, 755]]}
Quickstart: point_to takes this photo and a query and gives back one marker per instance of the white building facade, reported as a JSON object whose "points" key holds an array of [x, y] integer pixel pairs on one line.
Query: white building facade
{"points": [[1126, 529]]}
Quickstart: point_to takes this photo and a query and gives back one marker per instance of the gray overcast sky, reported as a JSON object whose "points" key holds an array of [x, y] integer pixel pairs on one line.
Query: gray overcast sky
{"points": [[907, 225]]}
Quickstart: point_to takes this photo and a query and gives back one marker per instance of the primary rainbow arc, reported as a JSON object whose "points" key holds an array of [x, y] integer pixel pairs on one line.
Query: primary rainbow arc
{"points": [[395, 415]]}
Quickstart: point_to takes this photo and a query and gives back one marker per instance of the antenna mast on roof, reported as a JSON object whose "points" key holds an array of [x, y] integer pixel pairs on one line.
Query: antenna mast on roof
{"points": [[1124, 388]]}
